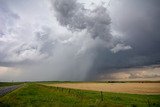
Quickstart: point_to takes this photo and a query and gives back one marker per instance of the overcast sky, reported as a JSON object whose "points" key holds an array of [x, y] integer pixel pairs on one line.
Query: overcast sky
{"points": [[79, 39]]}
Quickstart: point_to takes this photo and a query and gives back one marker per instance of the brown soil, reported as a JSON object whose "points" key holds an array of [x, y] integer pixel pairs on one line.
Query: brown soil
{"points": [[133, 88]]}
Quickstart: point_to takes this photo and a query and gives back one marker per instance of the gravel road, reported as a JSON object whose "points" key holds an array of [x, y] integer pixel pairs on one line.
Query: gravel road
{"points": [[5, 90]]}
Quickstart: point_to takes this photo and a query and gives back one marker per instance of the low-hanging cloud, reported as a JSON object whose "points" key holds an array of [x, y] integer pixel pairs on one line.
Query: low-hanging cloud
{"points": [[120, 47]]}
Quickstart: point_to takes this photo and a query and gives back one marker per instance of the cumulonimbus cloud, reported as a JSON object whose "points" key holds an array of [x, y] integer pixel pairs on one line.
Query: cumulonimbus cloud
{"points": [[67, 55], [63, 40], [74, 16]]}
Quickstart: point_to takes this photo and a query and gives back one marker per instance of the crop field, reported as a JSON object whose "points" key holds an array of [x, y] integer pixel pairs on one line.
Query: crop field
{"points": [[40, 95], [132, 88]]}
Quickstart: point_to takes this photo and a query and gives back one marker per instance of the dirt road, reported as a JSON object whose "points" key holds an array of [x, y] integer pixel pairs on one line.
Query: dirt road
{"points": [[133, 88]]}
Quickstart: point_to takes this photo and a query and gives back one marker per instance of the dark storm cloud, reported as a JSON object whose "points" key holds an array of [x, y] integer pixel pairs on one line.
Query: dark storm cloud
{"points": [[76, 43], [142, 30], [73, 15], [139, 22]]}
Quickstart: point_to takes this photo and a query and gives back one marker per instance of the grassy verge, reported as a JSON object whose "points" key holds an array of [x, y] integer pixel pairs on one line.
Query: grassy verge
{"points": [[36, 95], [3, 84]]}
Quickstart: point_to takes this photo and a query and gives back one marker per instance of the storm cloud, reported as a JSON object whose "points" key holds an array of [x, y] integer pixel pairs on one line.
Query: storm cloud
{"points": [[76, 39], [73, 15], [137, 24]]}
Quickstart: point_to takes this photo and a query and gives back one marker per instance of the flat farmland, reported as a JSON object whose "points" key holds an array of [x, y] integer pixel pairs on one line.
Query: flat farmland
{"points": [[37, 94], [132, 88]]}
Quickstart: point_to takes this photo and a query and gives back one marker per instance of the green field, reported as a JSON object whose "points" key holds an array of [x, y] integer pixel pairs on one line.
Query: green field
{"points": [[37, 95]]}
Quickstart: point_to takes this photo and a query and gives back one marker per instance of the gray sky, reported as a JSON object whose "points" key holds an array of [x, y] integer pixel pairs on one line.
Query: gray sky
{"points": [[79, 39]]}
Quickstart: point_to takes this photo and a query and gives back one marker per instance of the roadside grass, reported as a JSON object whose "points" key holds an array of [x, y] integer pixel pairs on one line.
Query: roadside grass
{"points": [[3, 84], [36, 95]]}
